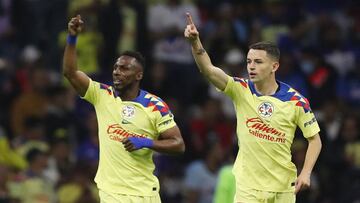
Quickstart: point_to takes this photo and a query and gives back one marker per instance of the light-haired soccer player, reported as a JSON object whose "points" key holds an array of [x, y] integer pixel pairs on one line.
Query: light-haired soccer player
{"points": [[268, 113], [131, 123]]}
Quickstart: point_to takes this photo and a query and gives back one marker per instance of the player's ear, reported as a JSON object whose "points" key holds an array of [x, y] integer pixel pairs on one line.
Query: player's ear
{"points": [[139, 75], [275, 66]]}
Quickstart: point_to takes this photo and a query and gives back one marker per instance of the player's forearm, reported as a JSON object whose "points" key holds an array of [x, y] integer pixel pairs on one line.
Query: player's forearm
{"points": [[312, 154], [214, 74], [169, 146], [202, 59], [69, 60]]}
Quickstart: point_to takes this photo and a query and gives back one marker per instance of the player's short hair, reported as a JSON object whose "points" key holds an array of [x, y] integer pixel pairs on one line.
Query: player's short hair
{"points": [[270, 48], [137, 55]]}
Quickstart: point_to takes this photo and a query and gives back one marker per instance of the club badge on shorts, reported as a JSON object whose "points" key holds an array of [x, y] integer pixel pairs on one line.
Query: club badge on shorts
{"points": [[128, 111], [266, 109]]}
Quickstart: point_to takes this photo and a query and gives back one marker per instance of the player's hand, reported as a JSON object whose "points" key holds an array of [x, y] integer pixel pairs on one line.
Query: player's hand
{"points": [[135, 143], [191, 33], [75, 25], [302, 182]]}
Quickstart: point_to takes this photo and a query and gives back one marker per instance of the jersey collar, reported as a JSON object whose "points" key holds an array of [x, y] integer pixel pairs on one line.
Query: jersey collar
{"points": [[278, 94]]}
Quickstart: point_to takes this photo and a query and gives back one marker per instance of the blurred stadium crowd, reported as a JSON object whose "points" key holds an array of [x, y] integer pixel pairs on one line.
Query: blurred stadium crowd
{"points": [[48, 135]]}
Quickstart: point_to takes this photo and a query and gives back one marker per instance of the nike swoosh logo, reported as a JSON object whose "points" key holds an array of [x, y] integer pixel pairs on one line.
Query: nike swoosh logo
{"points": [[125, 122]]}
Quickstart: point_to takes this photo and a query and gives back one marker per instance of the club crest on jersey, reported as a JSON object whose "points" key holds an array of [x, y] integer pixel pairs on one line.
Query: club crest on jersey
{"points": [[128, 111], [266, 109]]}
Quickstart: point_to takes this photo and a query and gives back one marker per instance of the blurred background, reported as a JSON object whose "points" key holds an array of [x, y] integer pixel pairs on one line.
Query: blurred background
{"points": [[48, 135]]}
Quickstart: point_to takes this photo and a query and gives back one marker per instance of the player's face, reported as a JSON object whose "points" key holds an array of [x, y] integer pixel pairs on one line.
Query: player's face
{"points": [[126, 72], [260, 67]]}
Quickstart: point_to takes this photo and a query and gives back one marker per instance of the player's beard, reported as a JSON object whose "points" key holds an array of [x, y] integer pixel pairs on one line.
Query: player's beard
{"points": [[127, 87]]}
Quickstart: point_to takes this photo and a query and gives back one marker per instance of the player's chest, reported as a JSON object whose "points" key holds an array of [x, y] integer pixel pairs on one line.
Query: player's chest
{"points": [[130, 115], [133, 114], [269, 109]]}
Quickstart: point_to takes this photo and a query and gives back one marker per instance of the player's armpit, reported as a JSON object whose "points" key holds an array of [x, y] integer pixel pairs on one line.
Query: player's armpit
{"points": [[80, 81], [218, 78]]}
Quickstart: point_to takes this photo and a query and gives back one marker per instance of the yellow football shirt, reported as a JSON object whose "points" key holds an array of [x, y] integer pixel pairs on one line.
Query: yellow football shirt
{"points": [[121, 171], [265, 128]]}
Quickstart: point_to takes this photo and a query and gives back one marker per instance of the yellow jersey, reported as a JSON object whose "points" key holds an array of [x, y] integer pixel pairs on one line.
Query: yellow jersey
{"points": [[120, 171], [265, 129]]}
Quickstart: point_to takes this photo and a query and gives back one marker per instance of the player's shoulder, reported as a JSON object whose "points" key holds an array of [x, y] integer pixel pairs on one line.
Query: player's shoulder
{"points": [[289, 94], [152, 102], [104, 88], [241, 81]]}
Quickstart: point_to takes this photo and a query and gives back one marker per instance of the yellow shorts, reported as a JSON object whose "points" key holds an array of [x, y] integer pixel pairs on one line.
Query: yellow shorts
{"points": [[123, 198], [247, 195]]}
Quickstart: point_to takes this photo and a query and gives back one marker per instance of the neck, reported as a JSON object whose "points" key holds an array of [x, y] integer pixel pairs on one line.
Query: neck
{"points": [[267, 87], [130, 93]]}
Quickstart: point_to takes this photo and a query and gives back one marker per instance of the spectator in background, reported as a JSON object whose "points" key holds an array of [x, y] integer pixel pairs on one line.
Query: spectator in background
{"points": [[60, 161], [349, 180], [37, 188], [4, 191], [165, 26], [219, 32], [60, 121], [88, 150], [34, 137], [350, 132], [292, 75], [211, 122], [226, 183], [201, 175], [9, 158], [32, 102], [319, 75], [78, 188], [348, 88]]}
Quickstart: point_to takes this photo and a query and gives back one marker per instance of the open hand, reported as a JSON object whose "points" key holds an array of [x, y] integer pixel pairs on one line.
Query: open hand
{"points": [[75, 25], [190, 33]]}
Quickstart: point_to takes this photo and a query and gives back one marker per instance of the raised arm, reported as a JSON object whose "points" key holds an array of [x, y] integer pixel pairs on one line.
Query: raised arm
{"points": [[214, 74], [78, 79]]}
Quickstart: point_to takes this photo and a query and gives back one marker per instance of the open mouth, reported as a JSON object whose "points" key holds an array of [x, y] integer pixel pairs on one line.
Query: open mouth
{"points": [[117, 82]]}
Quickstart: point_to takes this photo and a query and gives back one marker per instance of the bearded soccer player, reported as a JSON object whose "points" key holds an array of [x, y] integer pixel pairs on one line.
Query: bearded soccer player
{"points": [[131, 122], [268, 113]]}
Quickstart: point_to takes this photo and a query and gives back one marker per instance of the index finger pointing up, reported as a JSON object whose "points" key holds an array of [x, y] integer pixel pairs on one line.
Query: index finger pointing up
{"points": [[189, 19]]}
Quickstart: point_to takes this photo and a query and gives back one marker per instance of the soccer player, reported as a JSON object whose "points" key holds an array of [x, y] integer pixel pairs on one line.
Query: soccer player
{"points": [[131, 124], [268, 113]]}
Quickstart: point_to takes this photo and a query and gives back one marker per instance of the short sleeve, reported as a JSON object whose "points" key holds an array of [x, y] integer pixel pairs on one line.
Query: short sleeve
{"points": [[165, 119], [95, 92], [92, 93], [306, 121], [235, 87]]}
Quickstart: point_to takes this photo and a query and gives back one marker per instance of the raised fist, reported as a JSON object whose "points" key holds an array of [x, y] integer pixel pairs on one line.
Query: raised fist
{"points": [[75, 25]]}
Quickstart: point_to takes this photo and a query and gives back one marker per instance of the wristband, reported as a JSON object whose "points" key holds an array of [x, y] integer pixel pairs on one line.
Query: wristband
{"points": [[71, 39], [141, 142]]}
